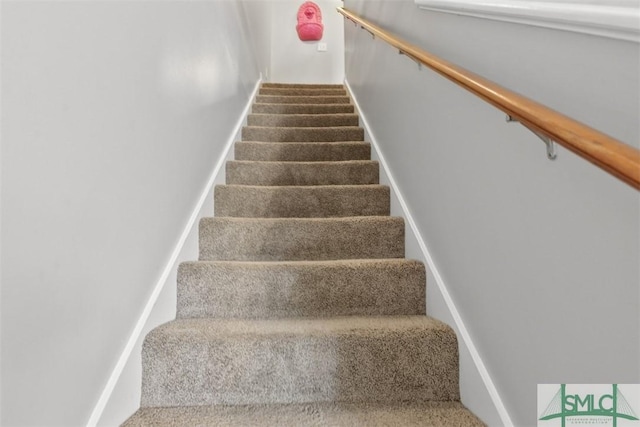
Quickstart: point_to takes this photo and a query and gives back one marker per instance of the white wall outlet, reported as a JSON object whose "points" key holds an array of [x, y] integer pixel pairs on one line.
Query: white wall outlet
{"points": [[322, 47]]}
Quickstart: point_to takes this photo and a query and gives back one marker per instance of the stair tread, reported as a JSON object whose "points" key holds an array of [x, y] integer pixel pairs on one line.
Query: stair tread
{"points": [[280, 239], [273, 173], [302, 151], [302, 188], [351, 263], [319, 109], [302, 134], [284, 115], [303, 120], [450, 414], [320, 163], [324, 105], [352, 220], [310, 128], [296, 360], [303, 85], [304, 99], [298, 201], [300, 289], [302, 91], [204, 329], [306, 144]]}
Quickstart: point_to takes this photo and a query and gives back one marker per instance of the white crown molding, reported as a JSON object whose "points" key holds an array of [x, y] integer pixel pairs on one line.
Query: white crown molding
{"points": [[618, 19]]}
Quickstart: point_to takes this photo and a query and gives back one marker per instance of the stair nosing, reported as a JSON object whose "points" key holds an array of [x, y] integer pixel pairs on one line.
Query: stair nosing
{"points": [[312, 219], [305, 187], [298, 326], [318, 162], [323, 262]]}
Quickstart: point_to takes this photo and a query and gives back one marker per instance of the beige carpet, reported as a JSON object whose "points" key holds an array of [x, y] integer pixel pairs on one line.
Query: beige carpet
{"points": [[301, 310]]}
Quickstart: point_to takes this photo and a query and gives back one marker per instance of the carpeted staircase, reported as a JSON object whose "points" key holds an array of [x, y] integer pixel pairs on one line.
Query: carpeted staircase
{"points": [[302, 310]]}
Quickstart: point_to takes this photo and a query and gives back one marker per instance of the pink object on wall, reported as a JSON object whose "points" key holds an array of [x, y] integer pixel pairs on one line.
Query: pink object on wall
{"points": [[309, 26]]}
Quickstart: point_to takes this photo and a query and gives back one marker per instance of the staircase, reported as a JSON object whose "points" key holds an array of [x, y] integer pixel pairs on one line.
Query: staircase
{"points": [[302, 310]]}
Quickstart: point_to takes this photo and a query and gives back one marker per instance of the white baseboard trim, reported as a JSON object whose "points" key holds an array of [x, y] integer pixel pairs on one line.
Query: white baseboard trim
{"points": [[466, 338], [144, 316]]}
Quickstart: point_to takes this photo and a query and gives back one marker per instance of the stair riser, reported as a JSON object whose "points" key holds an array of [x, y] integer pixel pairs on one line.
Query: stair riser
{"points": [[302, 173], [303, 91], [302, 152], [277, 99], [278, 290], [300, 202], [412, 365], [302, 120], [303, 108], [295, 239], [301, 134]]}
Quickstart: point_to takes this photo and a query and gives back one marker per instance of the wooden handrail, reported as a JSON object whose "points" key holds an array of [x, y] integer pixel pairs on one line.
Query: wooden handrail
{"points": [[617, 158]]}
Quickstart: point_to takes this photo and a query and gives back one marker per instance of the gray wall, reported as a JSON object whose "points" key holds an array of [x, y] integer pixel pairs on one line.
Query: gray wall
{"points": [[540, 257], [259, 27], [113, 116]]}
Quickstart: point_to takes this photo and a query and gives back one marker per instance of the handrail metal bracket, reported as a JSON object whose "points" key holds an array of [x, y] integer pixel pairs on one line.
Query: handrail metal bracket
{"points": [[411, 57], [550, 143], [368, 31]]}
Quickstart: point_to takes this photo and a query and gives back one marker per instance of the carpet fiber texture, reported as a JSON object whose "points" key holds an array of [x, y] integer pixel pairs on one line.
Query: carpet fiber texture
{"points": [[301, 309], [334, 414]]}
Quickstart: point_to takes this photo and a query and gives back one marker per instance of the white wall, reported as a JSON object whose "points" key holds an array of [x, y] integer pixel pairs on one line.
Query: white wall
{"points": [[258, 25], [474, 392], [540, 257], [295, 61], [113, 117]]}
